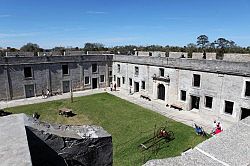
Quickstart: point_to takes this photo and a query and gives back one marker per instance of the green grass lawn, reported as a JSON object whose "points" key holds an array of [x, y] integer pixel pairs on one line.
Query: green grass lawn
{"points": [[129, 124]]}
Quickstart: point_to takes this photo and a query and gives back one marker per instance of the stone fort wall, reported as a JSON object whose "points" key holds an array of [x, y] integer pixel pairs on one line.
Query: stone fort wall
{"points": [[220, 80], [47, 74]]}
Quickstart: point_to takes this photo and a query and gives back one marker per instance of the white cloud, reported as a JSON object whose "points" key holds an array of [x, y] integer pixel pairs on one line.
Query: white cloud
{"points": [[4, 15], [95, 12], [114, 40], [5, 35]]}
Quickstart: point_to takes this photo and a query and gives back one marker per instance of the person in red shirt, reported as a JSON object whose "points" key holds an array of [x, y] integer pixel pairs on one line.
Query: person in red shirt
{"points": [[218, 129]]}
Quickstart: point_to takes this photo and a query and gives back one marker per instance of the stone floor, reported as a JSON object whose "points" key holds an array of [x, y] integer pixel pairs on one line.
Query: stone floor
{"points": [[39, 99], [231, 147], [186, 117]]}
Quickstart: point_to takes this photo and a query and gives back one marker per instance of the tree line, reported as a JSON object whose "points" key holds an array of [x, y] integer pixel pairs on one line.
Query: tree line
{"points": [[220, 46]]}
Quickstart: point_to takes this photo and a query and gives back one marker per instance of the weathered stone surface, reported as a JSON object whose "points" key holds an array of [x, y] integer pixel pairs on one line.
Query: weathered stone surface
{"points": [[14, 149], [26, 141], [73, 145]]}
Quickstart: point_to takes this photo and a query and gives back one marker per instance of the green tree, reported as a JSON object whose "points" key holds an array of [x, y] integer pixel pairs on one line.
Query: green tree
{"points": [[202, 41], [30, 47], [190, 48], [94, 47]]}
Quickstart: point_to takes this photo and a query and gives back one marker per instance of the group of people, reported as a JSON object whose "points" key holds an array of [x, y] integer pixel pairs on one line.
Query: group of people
{"points": [[48, 94], [111, 87], [217, 128]]}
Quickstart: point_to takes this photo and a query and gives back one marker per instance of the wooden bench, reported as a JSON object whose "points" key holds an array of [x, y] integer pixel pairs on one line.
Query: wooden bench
{"points": [[145, 97], [175, 107]]}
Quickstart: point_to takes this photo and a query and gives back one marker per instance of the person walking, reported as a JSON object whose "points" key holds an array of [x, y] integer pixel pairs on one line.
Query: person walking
{"points": [[115, 87], [111, 86], [43, 94]]}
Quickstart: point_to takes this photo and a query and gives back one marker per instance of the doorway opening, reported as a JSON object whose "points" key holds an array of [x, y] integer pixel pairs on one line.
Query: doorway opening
{"points": [[161, 92], [118, 81], [94, 83], [136, 86], [29, 91], [66, 87], [195, 102]]}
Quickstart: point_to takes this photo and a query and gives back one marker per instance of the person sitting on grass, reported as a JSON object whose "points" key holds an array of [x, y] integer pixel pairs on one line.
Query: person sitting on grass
{"points": [[198, 130]]}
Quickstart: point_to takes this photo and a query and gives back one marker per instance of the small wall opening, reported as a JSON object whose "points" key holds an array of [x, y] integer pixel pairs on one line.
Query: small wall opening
{"points": [[229, 107], [196, 80], [247, 91], [208, 101], [65, 69], [183, 95], [94, 68], [244, 113], [27, 72]]}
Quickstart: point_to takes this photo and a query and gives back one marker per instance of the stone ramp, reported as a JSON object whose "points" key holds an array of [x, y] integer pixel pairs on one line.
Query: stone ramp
{"points": [[231, 147], [14, 148]]}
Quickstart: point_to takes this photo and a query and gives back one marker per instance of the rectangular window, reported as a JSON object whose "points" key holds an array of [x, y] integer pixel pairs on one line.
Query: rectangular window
{"points": [[101, 78], [247, 91], [136, 70], [143, 85], [196, 80], [94, 68], [123, 80], [118, 68], [65, 69], [86, 80], [27, 72], [130, 81], [208, 102], [161, 72], [229, 107], [183, 95], [114, 78], [110, 72]]}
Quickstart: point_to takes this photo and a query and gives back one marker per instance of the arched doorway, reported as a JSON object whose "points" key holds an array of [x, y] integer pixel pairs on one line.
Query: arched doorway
{"points": [[161, 92]]}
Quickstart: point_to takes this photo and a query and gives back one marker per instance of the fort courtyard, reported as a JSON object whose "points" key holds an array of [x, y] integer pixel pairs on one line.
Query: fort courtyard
{"points": [[129, 125]]}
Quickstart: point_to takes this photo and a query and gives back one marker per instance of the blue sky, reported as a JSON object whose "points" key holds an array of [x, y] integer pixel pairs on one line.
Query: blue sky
{"points": [[68, 23]]}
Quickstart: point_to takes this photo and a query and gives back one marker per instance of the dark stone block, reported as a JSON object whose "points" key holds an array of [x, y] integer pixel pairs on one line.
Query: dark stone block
{"points": [[61, 145]]}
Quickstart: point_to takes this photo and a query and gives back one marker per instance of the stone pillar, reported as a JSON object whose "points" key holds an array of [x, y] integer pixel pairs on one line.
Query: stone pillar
{"points": [[107, 74], [48, 73], [8, 85], [81, 76]]}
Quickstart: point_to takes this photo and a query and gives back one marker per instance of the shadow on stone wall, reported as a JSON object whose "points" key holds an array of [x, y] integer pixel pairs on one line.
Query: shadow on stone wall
{"points": [[41, 153], [48, 149]]}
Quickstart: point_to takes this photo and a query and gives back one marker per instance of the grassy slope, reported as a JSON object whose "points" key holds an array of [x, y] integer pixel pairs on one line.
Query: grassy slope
{"points": [[128, 123]]}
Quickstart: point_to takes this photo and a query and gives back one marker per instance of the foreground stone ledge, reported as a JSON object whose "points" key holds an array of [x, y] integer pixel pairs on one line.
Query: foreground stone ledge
{"points": [[47, 144]]}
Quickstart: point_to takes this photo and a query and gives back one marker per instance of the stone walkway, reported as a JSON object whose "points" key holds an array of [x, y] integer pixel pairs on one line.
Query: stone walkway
{"points": [[33, 100], [186, 117]]}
